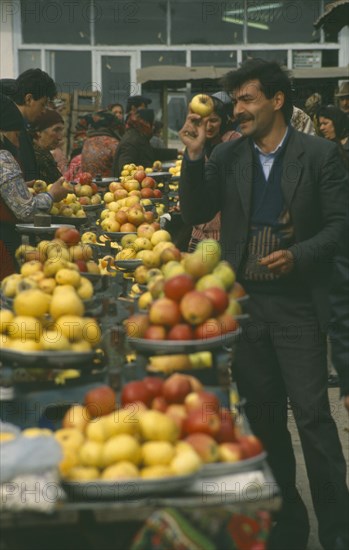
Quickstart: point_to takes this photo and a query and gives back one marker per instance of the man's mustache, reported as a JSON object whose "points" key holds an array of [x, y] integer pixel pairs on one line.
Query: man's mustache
{"points": [[243, 118]]}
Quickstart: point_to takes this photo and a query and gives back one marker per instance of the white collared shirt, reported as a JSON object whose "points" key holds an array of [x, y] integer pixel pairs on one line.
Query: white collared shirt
{"points": [[267, 159]]}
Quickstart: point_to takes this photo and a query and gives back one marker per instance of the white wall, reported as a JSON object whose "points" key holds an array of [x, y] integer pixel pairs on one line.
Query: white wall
{"points": [[7, 61], [343, 39]]}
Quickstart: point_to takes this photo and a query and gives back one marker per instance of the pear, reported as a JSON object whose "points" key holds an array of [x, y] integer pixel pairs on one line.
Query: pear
{"points": [[66, 302], [32, 302]]}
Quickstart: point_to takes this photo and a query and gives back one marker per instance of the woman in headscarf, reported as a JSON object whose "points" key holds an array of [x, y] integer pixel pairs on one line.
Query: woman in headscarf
{"points": [[334, 125], [48, 134], [16, 202], [103, 137]]}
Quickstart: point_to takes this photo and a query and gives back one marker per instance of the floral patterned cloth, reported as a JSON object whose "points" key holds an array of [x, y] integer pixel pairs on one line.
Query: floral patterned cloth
{"points": [[98, 154], [168, 529]]}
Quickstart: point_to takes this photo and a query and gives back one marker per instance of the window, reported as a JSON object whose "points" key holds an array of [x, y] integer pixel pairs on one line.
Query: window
{"points": [[198, 22], [217, 59], [70, 70], [131, 22], [58, 22], [283, 21], [163, 58], [28, 59], [116, 79]]}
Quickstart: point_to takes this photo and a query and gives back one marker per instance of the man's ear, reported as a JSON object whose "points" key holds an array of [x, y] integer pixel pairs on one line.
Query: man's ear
{"points": [[279, 100], [28, 98]]}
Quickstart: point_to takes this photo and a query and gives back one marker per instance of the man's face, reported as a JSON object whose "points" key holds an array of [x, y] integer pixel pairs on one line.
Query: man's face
{"points": [[34, 108], [344, 104], [254, 112], [118, 112]]}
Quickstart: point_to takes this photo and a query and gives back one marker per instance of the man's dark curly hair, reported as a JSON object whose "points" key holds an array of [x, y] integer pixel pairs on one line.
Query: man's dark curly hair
{"points": [[35, 82], [272, 77]]}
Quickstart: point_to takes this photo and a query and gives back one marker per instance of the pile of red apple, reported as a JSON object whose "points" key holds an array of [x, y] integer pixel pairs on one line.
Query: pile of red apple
{"points": [[184, 313], [86, 190], [139, 185], [202, 422]]}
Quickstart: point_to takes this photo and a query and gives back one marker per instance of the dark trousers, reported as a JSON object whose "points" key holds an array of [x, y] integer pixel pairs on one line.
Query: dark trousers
{"points": [[282, 354]]}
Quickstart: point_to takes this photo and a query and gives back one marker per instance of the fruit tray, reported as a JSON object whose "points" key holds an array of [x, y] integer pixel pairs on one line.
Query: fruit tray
{"points": [[44, 359], [33, 229], [131, 489], [183, 346], [92, 207], [128, 265], [226, 468], [65, 220], [158, 176], [104, 181]]}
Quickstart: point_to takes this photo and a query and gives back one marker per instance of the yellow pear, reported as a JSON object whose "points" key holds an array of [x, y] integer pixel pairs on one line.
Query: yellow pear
{"points": [[90, 454], [28, 268], [52, 266], [32, 302], [85, 289], [70, 438], [186, 462], [67, 303], [68, 277], [71, 326], [25, 327], [47, 284], [157, 452], [6, 317], [9, 285], [121, 447], [122, 470], [156, 426], [28, 345], [95, 430], [53, 340], [120, 422]]}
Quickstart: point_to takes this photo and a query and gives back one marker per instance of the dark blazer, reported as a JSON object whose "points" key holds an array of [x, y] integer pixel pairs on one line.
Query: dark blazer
{"points": [[315, 187], [135, 147]]}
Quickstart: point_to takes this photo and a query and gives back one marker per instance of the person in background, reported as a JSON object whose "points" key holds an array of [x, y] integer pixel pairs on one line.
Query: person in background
{"points": [[156, 140], [311, 107], [343, 97], [16, 202], [334, 125], [102, 139], [136, 102], [31, 92], [74, 168], [216, 127], [283, 199], [117, 109], [47, 135], [135, 145]]}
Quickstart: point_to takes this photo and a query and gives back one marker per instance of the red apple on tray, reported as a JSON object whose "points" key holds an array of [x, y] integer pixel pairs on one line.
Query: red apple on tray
{"points": [[227, 323], [219, 299], [154, 385], [171, 254], [85, 178], [159, 404], [211, 328], [230, 452], [204, 401], [155, 332], [176, 287], [228, 431], [68, 235], [205, 446], [164, 312], [202, 421], [100, 401], [176, 388], [157, 194], [250, 445], [147, 193], [148, 182], [182, 331], [136, 391], [136, 325], [139, 175], [195, 307]]}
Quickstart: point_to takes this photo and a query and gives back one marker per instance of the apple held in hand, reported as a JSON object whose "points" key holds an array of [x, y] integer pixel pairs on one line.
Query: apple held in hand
{"points": [[202, 104], [100, 401], [136, 391]]}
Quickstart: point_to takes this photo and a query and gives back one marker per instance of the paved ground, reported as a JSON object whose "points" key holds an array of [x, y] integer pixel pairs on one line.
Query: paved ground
{"points": [[342, 419]]}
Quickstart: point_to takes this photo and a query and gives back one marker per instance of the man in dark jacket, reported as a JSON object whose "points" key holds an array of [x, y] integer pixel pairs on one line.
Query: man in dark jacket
{"points": [[282, 196], [31, 92], [135, 147]]}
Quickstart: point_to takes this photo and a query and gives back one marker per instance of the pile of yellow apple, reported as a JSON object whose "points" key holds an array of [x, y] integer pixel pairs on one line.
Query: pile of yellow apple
{"points": [[49, 321], [66, 250], [176, 170]]}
